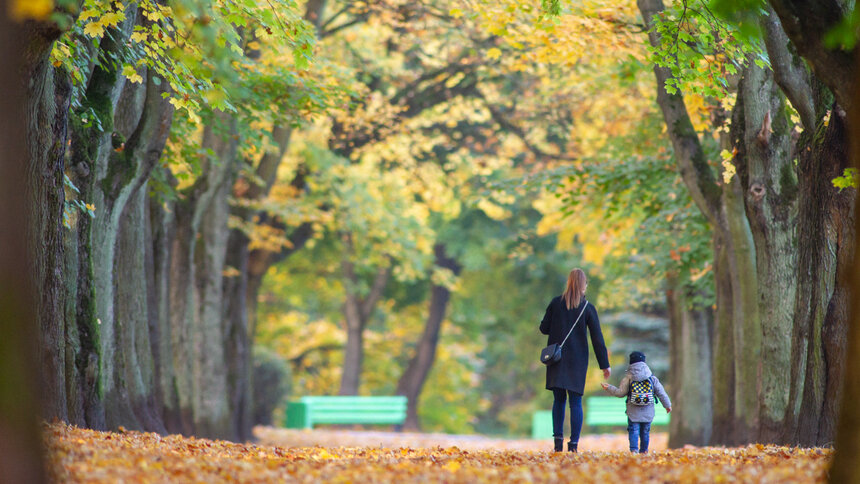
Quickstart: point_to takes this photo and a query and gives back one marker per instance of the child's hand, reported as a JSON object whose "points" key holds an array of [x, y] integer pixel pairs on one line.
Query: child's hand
{"points": [[605, 385], [668, 409]]}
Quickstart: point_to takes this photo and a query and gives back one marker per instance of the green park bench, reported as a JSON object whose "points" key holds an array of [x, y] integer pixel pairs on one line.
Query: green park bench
{"points": [[599, 412], [610, 411], [312, 410]]}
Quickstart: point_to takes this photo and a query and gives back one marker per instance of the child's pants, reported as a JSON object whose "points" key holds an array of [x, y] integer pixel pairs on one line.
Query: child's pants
{"points": [[639, 435]]}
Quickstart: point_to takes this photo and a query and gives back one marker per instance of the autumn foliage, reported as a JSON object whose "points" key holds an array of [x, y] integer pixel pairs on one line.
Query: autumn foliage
{"points": [[79, 455]]}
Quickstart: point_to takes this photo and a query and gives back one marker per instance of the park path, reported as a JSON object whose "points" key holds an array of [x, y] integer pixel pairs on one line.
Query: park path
{"points": [[354, 438], [89, 456]]}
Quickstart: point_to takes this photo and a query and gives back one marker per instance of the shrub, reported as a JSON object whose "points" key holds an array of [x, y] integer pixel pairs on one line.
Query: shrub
{"points": [[271, 381]]}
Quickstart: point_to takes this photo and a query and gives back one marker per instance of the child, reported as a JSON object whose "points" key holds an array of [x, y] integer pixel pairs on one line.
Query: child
{"points": [[640, 386]]}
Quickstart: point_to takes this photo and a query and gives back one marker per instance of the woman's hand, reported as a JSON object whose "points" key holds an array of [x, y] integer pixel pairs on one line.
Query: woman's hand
{"points": [[606, 373]]}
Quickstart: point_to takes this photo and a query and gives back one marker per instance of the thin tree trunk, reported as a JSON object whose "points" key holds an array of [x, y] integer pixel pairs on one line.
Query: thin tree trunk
{"points": [[357, 312], [412, 381], [722, 349]]}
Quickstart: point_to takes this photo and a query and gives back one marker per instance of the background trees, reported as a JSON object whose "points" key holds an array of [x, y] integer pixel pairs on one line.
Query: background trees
{"points": [[400, 186]]}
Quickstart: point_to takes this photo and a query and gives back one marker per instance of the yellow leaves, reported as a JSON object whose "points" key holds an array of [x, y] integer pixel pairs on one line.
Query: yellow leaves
{"points": [[131, 74], [494, 53], [21, 10], [111, 19], [94, 29], [102, 19], [81, 455], [88, 14], [139, 37], [492, 210], [729, 169], [455, 12]]}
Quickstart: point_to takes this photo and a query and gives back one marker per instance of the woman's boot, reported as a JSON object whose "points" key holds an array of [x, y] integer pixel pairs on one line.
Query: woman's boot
{"points": [[559, 445], [571, 446]]}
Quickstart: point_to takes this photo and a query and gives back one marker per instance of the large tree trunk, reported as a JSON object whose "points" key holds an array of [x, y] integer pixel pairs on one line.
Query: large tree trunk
{"points": [[845, 468], [196, 288], [778, 254], [20, 436], [826, 222], [112, 166], [47, 110], [412, 381], [690, 371], [769, 184]]}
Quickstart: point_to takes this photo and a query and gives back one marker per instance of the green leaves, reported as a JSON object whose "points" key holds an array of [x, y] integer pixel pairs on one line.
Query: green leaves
{"points": [[850, 179], [703, 51]]}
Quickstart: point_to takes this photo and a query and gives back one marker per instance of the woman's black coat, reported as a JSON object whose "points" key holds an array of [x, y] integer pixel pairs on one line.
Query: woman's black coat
{"points": [[569, 373]]}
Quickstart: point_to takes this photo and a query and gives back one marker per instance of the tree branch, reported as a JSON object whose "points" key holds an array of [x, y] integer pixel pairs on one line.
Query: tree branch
{"points": [[807, 23], [789, 72], [379, 283], [520, 133], [695, 171]]}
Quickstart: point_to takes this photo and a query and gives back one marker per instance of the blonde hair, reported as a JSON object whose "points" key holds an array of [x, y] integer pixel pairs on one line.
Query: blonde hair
{"points": [[575, 288]]}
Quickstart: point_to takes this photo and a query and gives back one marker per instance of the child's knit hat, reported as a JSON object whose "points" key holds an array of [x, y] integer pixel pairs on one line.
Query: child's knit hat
{"points": [[636, 357]]}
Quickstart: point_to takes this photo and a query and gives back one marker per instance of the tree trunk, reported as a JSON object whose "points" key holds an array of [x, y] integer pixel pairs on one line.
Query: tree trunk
{"points": [[162, 228], [412, 381], [781, 235], [357, 312], [47, 110], [845, 468], [769, 183], [820, 325], [20, 310], [690, 371], [722, 349]]}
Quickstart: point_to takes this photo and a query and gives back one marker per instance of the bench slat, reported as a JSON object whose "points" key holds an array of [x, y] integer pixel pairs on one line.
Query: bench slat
{"points": [[310, 410]]}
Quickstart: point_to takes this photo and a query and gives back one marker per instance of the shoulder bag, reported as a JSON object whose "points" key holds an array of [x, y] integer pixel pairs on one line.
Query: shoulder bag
{"points": [[552, 353]]}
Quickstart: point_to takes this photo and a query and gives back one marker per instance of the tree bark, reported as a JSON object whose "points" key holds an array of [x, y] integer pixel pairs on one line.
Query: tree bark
{"points": [[845, 468], [820, 325], [770, 191], [357, 311], [197, 261], [22, 314], [722, 349], [807, 24], [48, 95], [690, 371], [777, 229], [412, 381]]}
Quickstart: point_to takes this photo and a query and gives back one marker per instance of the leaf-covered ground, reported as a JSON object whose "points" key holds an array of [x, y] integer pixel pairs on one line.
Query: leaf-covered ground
{"points": [[79, 455]]}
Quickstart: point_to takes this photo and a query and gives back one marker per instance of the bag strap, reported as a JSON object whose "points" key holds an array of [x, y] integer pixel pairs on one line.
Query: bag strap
{"points": [[574, 324]]}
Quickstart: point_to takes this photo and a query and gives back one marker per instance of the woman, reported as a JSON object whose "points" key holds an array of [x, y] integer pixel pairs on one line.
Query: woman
{"points": [[566, 378]]}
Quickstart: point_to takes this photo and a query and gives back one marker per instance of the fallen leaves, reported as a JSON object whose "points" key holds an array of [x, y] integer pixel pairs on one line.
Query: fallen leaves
{"points": [[80, 455]]}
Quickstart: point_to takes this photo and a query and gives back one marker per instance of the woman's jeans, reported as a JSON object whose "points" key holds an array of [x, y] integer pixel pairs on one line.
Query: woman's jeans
{"points": [[559, 399], [639, 435]]}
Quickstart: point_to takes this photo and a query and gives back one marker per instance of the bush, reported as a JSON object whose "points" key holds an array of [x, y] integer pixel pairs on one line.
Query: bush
{"points": [[271, 382]]}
